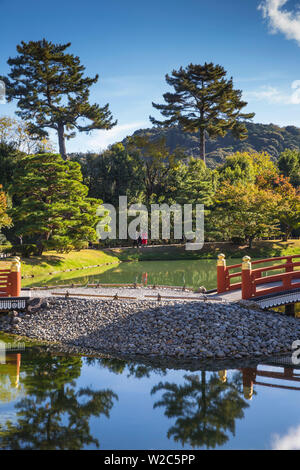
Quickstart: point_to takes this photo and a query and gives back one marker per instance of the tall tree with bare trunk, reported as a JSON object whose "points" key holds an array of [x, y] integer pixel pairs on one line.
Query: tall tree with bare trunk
{"points": [[52, 93], [204, 101]]}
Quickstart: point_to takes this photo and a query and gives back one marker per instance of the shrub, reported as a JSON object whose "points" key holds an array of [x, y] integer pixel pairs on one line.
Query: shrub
{"points": [[80, 245], [26, 250]]}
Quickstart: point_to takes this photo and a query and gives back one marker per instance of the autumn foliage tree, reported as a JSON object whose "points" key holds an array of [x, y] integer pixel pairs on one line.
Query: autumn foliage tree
{"points": [[244, 211], [5, 220]]}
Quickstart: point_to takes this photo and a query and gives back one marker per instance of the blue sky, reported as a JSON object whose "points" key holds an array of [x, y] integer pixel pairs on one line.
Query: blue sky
{"points": [[132, 45]]}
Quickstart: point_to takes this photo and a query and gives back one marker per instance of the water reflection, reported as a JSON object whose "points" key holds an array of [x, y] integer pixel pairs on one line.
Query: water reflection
{"points": [[205, 408], [55, 413], [60, 401], [174, 273], [10, 387]]}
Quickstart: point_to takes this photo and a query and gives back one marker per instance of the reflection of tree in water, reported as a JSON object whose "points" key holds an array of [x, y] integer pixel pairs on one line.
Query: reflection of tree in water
{"points": [[205, 410], [119, 366], [54, 414]]}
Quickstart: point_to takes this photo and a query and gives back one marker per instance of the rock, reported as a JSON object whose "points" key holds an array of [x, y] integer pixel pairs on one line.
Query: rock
{"points": [[181, 329]]}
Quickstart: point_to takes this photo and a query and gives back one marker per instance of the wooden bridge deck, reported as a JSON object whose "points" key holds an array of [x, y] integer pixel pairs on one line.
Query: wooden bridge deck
{"points": [[279, 298]]}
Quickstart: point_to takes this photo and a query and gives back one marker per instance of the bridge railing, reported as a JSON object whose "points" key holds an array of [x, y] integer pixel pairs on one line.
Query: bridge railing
{"points": [[251, 279], [10, 277]]}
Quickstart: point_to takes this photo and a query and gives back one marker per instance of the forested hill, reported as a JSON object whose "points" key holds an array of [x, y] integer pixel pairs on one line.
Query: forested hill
{"points": [[261, 137]]}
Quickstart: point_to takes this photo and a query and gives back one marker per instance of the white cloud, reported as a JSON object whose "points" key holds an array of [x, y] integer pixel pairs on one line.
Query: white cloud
{"points": [[102, 139], [289, 441], [281, 20], [274, 96]]}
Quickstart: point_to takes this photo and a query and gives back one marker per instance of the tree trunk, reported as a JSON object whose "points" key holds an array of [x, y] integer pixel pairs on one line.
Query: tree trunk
{"points": [[250, 242], [202, 144], [61, 141], [286, 235]]}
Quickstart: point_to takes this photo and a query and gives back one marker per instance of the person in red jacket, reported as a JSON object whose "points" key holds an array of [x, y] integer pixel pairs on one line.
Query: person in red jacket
{"points": [[144, 239]]}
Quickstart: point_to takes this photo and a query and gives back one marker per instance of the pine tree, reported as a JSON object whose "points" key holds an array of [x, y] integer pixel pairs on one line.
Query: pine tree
{"points": [[204, 101], [51, 207], [52, 92]]}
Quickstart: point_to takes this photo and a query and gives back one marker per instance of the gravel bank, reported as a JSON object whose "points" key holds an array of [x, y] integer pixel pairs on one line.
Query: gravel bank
{"points": [[134, 292], [190, 329]]}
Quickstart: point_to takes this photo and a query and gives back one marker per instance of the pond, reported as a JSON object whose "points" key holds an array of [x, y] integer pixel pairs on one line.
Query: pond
{"points": [[191, 273], [176, 273], [62, 402]]}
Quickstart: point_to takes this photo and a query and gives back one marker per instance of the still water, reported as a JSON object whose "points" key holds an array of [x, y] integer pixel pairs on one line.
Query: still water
{"points": [[63, 402], [176, 273], [191, 273]]}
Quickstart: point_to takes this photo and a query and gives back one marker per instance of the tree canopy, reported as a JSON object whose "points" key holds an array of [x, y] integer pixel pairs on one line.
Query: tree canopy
{"points": [[204, 101], [52, 92], [51, 207]]}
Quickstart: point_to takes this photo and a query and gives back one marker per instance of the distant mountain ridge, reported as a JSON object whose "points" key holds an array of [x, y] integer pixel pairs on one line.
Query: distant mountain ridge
{"points": [[261, 137]]}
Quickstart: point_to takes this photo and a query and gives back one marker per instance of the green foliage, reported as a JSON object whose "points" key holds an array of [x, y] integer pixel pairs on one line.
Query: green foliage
{"points": [[203, 409], [205, 102], [5, 220], [267, 138], [113, 173], [9, 159], [54, 414], [237, 167], [244, 211], [51, 92], [27, 250], [289, 165], [51, 206], [198, 183]]}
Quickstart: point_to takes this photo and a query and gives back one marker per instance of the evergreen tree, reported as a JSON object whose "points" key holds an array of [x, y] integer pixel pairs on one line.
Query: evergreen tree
{"points": [[52, 92], [9, 160], [51, 207], [204, 101]]}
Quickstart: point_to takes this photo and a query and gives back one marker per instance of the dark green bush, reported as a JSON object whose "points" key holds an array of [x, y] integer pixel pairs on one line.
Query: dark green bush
{"points": [[26, 250]]}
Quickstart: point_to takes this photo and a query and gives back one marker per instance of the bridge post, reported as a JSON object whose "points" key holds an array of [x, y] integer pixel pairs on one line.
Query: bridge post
{"points": [[14, 278], [289, 265], [246, 278], [221, 273], [289, 310]]}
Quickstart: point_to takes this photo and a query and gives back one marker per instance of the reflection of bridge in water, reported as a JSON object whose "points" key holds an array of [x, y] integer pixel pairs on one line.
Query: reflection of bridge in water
{"points": [[9, 377], [252, 375], [256, 284]]}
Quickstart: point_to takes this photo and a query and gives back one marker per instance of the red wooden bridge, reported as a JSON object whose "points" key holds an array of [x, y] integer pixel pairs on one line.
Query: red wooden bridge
{"points": [[251, 377], [275, 281], [10, 278]]}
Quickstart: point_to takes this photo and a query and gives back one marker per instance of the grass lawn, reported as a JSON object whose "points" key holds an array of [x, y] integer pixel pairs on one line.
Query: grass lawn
{"points": [[55, 266], [260, 249], [51, 262]]}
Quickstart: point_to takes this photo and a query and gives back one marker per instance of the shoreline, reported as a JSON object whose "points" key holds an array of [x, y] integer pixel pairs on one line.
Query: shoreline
{"points": [[166, 330]]}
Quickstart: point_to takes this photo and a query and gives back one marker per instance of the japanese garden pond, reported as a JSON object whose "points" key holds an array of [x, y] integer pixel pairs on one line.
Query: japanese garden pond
{"points": [[192, 273], [54, 401]]}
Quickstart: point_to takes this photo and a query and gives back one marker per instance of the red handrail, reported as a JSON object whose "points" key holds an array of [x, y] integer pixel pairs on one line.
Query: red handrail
{"points": [[252, 278], [10, 278]]}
